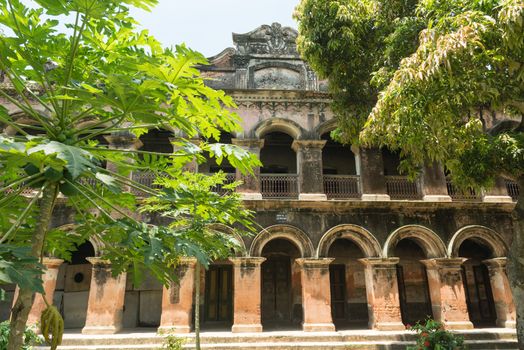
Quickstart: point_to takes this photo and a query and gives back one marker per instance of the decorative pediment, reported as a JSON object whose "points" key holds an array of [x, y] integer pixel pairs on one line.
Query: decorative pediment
{"points": [[267, 40]]}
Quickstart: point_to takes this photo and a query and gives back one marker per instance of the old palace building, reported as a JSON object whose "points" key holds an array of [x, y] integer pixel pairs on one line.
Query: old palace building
{"points": [[345, 241]]}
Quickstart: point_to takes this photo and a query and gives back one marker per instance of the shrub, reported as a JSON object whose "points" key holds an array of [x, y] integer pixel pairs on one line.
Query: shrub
{"points": [[432, 336], [171, 343], [30, 337]]}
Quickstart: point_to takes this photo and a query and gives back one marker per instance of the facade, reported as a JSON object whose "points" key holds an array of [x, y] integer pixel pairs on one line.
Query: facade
{"points": [[345, 242]]}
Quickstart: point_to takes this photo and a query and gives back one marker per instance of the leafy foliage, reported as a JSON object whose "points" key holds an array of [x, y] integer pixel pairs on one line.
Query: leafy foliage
{"points": [[30, 337], [102, 78], [423, 77], [431, 335]]}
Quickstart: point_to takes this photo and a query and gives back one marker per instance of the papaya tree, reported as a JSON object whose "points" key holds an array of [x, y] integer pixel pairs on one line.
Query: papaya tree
{"points": [[426, 78], [75, 71]]}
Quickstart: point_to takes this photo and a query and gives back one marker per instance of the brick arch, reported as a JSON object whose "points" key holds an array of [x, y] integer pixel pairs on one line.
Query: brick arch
{"points": [[291, 233], [481, 234], [429, 241], [230, 231], [280, 125], [98, 245], [357, 234]]}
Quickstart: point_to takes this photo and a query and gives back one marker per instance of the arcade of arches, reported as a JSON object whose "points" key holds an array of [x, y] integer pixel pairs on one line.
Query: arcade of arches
{"points": [[348, 281]]}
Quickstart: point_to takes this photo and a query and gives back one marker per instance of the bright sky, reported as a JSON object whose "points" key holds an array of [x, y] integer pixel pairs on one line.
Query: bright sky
{"points": [[206, 25]]}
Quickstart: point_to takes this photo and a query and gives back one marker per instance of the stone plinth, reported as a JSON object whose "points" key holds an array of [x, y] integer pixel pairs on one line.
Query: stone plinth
{"points": [[382, 293], [504, 305], [177, 300], [309, 162], [49, 282], [446, 289], [372, 175], [105, 305], [250, 187], [247, 294], [434, 184], [316, 295]]}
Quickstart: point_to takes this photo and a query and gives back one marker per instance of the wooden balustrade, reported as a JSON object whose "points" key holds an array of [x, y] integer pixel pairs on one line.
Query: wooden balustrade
{"points": [[279, 185], [342, 186], [469, 195], [399, 187]]}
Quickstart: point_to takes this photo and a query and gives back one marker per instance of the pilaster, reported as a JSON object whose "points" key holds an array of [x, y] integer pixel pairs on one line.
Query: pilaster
{"points": [[316, 295], [250, 188], [105, 305], [434, 187], [247, 294], [177, 300], [382, 293], [309, 165], [446, 288], [49, 278], [372, 175], [504, 305]]}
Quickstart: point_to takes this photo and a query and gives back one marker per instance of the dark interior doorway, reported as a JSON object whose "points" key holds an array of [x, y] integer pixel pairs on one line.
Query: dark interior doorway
{"points": [[218, 302], [415, 302], [479, 297], [280, 282]]}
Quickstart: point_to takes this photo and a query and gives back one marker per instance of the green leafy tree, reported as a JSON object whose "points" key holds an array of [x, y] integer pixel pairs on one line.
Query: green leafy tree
{"points": [[100, 77], [426, 78], [196, 211]]}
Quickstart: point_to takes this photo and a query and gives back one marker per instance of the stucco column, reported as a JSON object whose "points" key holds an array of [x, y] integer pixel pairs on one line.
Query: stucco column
{"points": [[372, 175], [434, 185], [498, 193], [126, 141], [49, 281], [246, 294], [105, 305], [446, 289], [309, 165], [177, 300], [250, 189], [382, 293], [316, 295], [504, 305]]}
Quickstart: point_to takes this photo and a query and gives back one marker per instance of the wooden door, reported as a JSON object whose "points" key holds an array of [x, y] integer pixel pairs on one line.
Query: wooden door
{"points": [[479, 296], [276, 289], [337, 279], [218, 295]]}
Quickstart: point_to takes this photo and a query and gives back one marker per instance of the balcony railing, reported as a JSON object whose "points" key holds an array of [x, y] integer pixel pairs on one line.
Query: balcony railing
{"points": [[230, 178], [469, 195], [399, 187], [513, 189], [342, 186], [279, 185]]}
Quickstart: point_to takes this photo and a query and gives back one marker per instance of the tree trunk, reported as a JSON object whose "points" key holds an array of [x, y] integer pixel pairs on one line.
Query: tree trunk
{"points": [[24, 301], [515, 267], [197, 306]]}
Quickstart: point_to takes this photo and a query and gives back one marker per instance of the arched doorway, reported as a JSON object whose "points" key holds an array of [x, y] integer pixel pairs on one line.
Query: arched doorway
{"points": [[479, 297], [142, 302], [72, 287], [415, 302], [281, 287], [348, 286]]}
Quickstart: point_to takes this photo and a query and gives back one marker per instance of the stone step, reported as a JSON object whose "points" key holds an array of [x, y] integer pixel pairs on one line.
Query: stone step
{"points": [[275, 337], [367, 345]]}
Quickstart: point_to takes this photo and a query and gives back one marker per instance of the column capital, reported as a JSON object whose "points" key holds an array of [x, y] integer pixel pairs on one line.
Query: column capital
{"points": [[98, 261], [313, 263], [251, 143], [245, 261], [301, 144], [52, 262], [379, 262], [449, 263], [496, 263], [187, 261], [127, 141]]}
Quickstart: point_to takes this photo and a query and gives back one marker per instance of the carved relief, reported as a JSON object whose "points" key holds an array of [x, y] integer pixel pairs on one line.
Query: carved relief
{"points": [[273, 39]]}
